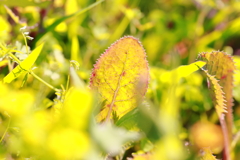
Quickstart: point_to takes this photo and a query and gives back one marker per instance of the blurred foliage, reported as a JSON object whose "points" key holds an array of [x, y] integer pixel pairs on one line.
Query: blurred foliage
{"points": [[171, 124]]}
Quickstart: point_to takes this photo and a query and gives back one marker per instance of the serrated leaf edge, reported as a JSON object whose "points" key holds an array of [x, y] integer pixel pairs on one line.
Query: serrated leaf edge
{"points": [[106, 51], [219, 97]]}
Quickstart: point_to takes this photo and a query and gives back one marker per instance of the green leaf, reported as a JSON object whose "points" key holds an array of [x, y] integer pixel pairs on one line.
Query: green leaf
{"points": [[174, 76], [184, 71], [142, 118], [24, 79], [129, 120], [24, 66]]}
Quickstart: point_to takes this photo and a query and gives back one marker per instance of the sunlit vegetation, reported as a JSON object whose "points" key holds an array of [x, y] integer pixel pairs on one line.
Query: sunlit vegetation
{"points": [[119, 80]]}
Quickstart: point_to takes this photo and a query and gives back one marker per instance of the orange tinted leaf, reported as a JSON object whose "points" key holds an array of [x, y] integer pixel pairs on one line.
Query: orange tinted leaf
{"points": [[217, 94], [221, 65], [121, 77]]}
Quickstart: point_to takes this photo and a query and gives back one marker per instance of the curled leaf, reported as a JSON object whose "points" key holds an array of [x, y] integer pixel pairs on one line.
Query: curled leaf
{"points": [[221, 65], [121, 77], [217, 94]]}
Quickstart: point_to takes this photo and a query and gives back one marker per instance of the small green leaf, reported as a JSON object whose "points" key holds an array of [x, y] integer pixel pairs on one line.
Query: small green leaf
{"points": [[24, 66], [129, 120], [184, 71]]}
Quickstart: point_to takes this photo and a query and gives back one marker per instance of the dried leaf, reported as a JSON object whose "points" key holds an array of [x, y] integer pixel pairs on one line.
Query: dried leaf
{"points": [[121, 77]]}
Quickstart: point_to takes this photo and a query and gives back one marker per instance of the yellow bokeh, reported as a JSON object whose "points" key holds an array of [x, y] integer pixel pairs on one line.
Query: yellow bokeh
{"points": [[15, 103], [34, 128], [68, 143], [77, 107], [4, 29]]}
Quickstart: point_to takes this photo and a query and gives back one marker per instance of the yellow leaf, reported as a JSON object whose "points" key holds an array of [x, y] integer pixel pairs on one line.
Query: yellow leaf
{"points": [[208, 155], [68, 143], [73, 111], [24, 66], [15, 103], [121, 77]]}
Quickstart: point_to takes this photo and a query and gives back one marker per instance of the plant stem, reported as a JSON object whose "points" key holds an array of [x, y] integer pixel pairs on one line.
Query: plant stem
{"points": [[15, 58], [33, 74], [225, 138], [25, 40], [10, 67], [44, 82], [87, 8], [68, 80], [5, 132], [116, 92]]}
